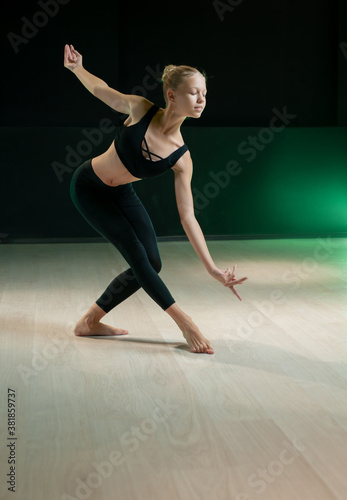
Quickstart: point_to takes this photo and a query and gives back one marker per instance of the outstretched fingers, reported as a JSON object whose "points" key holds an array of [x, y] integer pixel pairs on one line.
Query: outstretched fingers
{"points": [[240, 281], [235, 292], [234, 271], [233, 282], [236, 282], [229, 274]]}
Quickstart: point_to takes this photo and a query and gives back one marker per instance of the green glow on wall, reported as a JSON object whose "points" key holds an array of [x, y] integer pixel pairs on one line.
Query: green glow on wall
{"points": [[305, 186], [295, 185]]}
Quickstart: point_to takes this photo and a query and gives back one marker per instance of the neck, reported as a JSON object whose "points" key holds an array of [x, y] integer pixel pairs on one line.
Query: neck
{"points": [[171, 121]]}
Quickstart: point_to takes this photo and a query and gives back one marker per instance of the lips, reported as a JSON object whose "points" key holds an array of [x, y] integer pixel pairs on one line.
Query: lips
{"points": [[199, 108]]}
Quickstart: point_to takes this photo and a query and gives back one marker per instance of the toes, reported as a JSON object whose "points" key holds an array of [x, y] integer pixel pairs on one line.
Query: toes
{"points": [[199, 344], [201, 349], [209, 349]]}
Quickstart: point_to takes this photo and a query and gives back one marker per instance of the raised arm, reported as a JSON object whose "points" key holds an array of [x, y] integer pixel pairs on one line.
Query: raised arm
{"points": [[116, 100], [185, 205]]}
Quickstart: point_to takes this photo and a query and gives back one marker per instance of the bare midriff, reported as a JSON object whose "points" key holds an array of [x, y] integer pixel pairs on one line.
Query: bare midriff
{"points": [[111, 170]]}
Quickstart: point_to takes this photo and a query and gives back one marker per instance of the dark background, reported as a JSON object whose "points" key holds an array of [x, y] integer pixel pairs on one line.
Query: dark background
{"points": [[259, 56]]}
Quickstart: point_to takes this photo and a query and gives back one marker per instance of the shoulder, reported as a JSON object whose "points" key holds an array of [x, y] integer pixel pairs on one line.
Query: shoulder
{"points": [[138, 107], [184, 165]]}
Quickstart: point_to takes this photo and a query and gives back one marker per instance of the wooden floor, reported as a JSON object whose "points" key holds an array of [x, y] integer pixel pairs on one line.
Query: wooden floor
{"points": [[141, 418]]}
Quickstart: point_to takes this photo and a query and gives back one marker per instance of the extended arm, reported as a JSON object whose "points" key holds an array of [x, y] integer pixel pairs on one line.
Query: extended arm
{"points": [[184, 200], [116, 100], [185, 205]]}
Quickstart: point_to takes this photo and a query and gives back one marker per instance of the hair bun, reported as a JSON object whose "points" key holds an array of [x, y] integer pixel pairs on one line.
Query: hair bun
{"points": [[167, 70]]}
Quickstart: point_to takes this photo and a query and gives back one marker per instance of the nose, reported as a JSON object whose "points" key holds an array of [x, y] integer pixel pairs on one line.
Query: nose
{"points": [[201, 98]]}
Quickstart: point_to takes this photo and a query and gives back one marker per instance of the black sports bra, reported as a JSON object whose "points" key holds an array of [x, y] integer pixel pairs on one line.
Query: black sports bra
{"points": [[128, 144]]}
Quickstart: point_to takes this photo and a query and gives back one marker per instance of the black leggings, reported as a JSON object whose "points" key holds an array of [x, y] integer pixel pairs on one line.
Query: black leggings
{"points": [[119, 216]]}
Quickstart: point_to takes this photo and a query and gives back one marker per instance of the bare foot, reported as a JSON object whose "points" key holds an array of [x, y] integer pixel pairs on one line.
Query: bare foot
{"points": [[86, 328], [195, 339]]}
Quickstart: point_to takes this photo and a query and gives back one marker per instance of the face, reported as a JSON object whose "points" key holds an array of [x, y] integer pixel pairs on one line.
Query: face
{"points": [[190, 96]]}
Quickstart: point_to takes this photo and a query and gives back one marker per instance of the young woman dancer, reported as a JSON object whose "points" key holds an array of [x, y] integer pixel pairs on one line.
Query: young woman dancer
{"points": [[148, 144]]}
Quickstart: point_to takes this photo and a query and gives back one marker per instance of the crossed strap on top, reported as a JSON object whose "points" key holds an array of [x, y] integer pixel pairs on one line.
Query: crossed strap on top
{"points": [[148, 151]]}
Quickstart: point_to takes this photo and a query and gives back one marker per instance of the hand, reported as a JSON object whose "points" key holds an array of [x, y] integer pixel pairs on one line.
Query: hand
{"points": [[227, 278], [72, 58]]}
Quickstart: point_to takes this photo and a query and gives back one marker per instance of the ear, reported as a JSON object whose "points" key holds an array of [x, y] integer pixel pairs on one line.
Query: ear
{"points": [[171, 95]]}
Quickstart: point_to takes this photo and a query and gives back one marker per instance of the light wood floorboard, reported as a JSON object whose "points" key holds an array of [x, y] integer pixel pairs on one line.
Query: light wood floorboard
{"points": [[139, 417]]}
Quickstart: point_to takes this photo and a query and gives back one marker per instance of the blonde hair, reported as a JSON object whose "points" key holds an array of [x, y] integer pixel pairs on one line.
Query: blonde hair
{"points": [[173, 76]]}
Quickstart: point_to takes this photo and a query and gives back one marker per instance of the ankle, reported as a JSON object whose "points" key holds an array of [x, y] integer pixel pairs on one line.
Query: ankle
{"points": [[180, 318], [185, 323], [93, 315], [90, 319], [188, 322]]}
